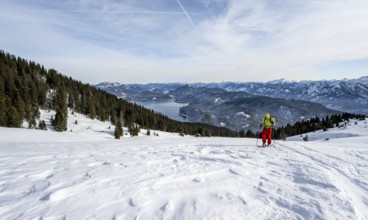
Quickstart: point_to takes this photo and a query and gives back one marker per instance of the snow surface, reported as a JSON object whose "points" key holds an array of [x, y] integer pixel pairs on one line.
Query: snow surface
{"points": [[242, 114], [218, 100], [86, 174]]}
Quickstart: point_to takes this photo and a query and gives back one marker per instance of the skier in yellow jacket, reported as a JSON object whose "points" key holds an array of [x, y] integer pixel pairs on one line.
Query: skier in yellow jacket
{"points": [[267, 123]]}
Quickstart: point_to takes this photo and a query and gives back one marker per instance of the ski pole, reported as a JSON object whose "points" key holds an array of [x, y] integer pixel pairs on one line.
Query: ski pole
{"points": [[258, 133], [274, 143]]}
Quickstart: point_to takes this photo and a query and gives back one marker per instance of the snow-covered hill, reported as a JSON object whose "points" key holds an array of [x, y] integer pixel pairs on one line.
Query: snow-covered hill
{"points": [[86, 174]]}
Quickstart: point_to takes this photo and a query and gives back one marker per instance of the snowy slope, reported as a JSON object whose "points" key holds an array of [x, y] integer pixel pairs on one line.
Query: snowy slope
{"points": [[86, 174]]}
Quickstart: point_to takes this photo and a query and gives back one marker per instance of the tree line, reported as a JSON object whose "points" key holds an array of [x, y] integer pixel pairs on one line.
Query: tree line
{"points": [[26, 87], [315, 124], [306, 126]]}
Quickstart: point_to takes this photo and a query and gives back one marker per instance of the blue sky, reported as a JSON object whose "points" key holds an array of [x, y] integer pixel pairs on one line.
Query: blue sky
{"points": [[141, 41]]}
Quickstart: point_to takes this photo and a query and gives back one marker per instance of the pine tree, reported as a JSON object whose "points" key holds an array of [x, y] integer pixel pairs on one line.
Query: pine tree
{"points": [[282, 134], [2, 103], [133, 130], [61, 117], [20, 106], [42, 125], [12, 118], [118, 130], [249, 134], [92, 108], [305, 138]]}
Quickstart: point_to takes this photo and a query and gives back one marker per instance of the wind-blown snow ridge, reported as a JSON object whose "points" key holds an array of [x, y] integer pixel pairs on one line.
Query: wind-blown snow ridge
{"points": [[171, 177]]}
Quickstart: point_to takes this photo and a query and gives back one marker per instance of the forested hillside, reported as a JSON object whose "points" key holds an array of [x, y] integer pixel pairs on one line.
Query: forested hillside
{"points": [[315, 124], [26, 87]]}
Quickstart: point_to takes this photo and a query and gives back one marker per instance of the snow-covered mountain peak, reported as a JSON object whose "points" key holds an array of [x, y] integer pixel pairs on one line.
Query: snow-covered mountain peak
{"points": [[108, 84], [277, 81]]}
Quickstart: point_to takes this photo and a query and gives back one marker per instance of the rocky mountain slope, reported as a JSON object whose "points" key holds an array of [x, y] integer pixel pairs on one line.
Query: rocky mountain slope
{"points": [[343, 95], [220, 105], [349, 95]]}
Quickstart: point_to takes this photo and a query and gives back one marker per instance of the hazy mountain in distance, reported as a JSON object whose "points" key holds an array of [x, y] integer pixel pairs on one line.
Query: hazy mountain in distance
{"points": [[348, 95], [209, 103]]}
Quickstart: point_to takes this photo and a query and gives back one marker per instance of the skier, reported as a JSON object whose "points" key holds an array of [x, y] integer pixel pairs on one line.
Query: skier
{"points": [[267, 123]]}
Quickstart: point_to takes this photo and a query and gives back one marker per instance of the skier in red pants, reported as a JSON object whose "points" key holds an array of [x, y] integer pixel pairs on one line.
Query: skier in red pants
{"points": [[267, 123]]}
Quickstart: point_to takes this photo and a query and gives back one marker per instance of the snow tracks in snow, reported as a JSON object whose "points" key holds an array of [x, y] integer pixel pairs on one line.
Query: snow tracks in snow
{"points": [[182, 178]]}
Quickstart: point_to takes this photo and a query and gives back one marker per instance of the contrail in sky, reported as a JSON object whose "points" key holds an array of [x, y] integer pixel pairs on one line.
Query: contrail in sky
{"points": [[186, 13]]}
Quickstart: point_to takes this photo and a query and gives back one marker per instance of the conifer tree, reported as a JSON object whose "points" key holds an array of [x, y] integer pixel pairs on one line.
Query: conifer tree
{"points": [[2, 104], [92, 108], [12, 118], [249, 134], [61, 117], [305, 138], [134, 130], [118, 130], [42, 125]]}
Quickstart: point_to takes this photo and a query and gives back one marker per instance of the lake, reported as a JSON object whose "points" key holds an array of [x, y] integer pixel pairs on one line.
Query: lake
{"points": [[168, 108]]}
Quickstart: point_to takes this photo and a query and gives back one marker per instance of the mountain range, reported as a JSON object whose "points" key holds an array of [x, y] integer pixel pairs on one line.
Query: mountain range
{"points": [[348, 95], [241, 105]]}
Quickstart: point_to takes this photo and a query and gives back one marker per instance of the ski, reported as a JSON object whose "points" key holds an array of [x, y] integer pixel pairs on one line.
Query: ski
{"points": [[261, 146]]}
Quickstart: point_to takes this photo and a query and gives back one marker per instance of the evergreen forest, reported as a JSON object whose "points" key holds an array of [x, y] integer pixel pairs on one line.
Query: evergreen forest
{"points": [[26, 87]]}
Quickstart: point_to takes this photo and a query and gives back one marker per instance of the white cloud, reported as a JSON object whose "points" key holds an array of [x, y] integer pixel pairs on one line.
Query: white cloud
{"points": [[268, 41], [142, 41]]}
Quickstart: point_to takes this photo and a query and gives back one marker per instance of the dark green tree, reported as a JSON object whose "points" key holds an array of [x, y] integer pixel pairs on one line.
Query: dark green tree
{"points": [[134, 130], [118, 130], [61, 116], [92, 108], [12, 118], [2, 103], [42, 125], [250, 134]]}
